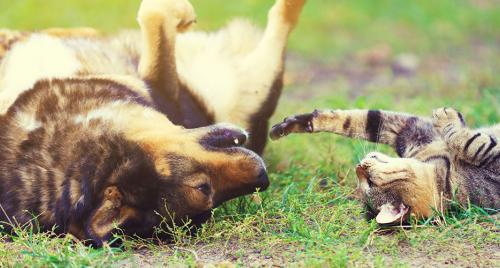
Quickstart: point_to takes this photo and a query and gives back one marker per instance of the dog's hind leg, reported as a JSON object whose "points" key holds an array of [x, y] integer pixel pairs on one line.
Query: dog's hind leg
{"points": [[160, 20], [262, 70]]}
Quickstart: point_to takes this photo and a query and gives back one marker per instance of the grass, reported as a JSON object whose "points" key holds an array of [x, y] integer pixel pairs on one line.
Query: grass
{"points": [[306, 218]]}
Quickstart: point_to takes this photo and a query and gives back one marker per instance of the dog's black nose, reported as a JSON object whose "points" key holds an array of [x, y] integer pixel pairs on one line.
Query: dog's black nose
{"points": [[225, 138]]}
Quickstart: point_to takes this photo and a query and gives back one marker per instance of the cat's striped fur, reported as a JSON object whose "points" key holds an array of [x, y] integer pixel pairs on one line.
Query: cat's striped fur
{"points": [[440, 159]]}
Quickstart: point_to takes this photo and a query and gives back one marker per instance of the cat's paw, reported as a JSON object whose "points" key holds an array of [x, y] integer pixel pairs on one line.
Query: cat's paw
{"points": [[445, 118], [293, 124]]}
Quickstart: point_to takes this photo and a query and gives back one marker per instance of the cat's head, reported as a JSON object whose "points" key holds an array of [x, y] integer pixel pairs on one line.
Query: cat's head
{"points": [[395, 188]]}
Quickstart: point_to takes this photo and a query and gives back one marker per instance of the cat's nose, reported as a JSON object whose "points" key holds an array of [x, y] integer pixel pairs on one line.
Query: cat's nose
{"points": [[364, 177]]}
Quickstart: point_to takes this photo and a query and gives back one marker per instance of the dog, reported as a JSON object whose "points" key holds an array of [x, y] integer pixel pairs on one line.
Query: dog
{"points": [[106, 133]]}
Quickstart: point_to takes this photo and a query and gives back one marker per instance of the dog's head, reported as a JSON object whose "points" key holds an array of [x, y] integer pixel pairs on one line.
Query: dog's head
{"points": [[181, 174], [201, 168]]}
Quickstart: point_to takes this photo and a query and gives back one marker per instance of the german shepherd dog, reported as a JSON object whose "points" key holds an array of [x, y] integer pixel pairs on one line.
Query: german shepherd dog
{"points": [[100, 133]]}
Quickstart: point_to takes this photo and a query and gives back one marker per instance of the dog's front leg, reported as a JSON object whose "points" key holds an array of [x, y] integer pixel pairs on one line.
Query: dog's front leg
{"points": [[262, 71], [282, 19], [160, 20], [265, 63]]}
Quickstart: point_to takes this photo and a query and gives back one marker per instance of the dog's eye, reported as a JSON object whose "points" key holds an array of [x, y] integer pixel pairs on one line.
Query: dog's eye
{"points": [[204, 188]]}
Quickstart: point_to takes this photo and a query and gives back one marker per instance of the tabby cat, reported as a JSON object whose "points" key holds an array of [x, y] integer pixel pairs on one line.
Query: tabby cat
{"points": [[439, 159]]}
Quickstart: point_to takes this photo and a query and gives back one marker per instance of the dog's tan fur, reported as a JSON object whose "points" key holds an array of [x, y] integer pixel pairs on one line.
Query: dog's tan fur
{"points": [[106, 131]]}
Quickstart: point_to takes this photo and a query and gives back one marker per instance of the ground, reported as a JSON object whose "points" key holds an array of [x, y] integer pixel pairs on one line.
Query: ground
{"points": [[409, 56]]}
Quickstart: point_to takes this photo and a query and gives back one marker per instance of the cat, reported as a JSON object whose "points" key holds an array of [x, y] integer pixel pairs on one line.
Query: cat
{"points": [[440, 158]]}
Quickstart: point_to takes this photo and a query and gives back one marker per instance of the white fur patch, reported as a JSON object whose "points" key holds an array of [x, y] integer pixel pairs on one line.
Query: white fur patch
{"points": [[107, 112], [39, 57], [27, 122], [117, 112]]}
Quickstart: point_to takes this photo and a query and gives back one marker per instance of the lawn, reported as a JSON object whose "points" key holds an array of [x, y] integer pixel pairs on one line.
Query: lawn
{"points": [[409, 56]]}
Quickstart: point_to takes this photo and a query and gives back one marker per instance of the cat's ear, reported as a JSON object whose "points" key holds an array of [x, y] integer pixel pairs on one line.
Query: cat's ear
{"points": [[109, 215], [389, 214]]}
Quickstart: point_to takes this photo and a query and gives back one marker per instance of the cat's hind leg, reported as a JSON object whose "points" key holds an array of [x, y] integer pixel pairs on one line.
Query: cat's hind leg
{"points": [[473, 146], [260, 78]]}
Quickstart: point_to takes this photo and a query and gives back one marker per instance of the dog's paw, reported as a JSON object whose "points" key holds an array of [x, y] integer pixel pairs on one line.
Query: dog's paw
{"points": [[444, 118], [293, 124], [179, 13], [288, 11]]}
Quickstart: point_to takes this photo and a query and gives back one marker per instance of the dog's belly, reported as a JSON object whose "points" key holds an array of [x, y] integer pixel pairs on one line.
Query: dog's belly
{"points": [[37, 58], [210, 64], [212, 83]]}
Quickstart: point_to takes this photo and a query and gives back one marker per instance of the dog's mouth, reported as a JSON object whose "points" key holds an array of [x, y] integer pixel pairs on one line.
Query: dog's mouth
{"points": [[241, 170]]}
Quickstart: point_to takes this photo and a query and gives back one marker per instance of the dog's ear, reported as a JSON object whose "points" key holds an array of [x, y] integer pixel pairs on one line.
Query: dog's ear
{"points": [[109, 215]]}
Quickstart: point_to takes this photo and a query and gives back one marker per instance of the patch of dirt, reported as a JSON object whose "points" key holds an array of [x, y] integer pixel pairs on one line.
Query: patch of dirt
{"points": [[459, 255], [451, 252], [380, 67], [220, 254], [312, 78]]}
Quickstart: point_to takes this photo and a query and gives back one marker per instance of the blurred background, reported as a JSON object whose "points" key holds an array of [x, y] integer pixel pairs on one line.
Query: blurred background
{"points": [[328, 27]]}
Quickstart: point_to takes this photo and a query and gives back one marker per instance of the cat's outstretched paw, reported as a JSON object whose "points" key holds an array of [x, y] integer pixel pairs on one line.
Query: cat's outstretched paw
{"points": [[294, 124], [444, 119]]}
